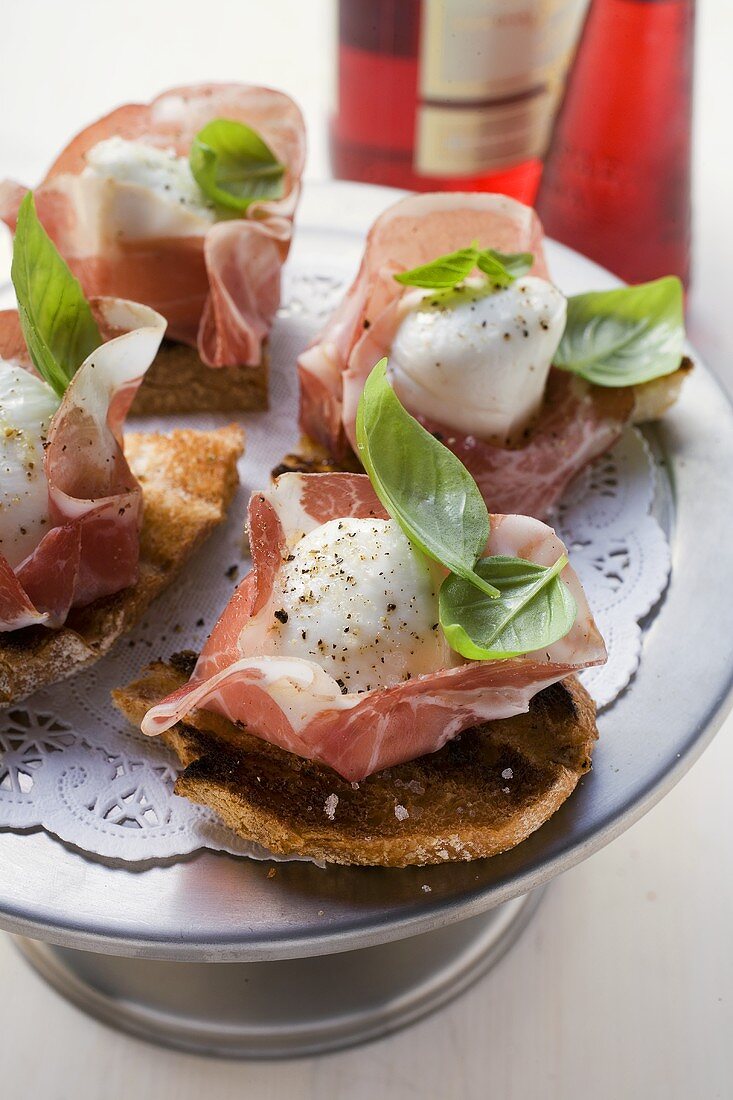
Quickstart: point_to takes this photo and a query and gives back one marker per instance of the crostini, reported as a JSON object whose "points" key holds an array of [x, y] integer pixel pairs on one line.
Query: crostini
{"points": [[525, 385], [394, 681], [91, 529], [185, 204]]}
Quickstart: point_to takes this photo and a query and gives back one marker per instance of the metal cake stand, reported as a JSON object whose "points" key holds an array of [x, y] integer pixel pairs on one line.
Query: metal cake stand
{"points": [[211, 954]]}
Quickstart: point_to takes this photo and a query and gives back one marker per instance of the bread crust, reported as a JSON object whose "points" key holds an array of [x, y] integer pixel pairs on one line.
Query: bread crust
{"points": [[481, 794], [653, 399], [188, 479], [178, 382]]}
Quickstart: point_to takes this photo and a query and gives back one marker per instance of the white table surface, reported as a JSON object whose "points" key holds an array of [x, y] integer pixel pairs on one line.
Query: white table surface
{"points": [[623, 984]]}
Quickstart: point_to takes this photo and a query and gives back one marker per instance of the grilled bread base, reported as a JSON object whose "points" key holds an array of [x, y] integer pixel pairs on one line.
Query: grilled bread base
{"points": [[483, 793], [651, 402], [178, 382], [188, 480], [653, 399]]}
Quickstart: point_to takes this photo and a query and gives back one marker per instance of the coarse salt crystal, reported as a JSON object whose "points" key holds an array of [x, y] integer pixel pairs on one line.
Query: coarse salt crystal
{"points": [[329, 806], [400, 812], [426, 889], [507, 774]]}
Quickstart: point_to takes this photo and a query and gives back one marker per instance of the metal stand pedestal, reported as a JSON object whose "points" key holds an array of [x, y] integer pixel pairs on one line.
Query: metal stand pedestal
{"points": [[285, 1008]]}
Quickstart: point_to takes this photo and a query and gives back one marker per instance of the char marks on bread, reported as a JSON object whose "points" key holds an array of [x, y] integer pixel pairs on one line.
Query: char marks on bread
{"points": [[479, 795]]}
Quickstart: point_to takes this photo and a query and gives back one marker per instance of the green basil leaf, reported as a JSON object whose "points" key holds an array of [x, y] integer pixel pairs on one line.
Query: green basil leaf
{"points": [[502, 268], [233, 166], [57, 322], [443, 273], [422, 485], [624, 337], [534, 609]]}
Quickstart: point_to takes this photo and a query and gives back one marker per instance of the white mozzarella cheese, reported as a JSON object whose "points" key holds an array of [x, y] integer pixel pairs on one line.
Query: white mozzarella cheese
{"points": [[147, 191], [26, 407], [476, 359], [355, 597]]}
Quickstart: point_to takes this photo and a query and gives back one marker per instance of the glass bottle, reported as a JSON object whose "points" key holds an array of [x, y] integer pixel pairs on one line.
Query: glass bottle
{"points": [[616, 183], [450, 94]]}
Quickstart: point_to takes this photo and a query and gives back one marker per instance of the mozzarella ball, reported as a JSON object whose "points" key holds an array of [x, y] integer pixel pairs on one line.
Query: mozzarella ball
{"points": [[476, 359], [26, 407], [164, 176], [355, 597]]}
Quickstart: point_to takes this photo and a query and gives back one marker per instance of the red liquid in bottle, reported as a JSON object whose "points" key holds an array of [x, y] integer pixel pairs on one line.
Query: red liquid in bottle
{"points": [[450, 94], [616, 184]]}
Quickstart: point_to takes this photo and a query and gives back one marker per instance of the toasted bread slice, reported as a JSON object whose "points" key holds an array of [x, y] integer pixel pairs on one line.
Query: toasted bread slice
{"points": [[651, 401], [312, 458], [178, 382], [483, 793], [188, 480]]}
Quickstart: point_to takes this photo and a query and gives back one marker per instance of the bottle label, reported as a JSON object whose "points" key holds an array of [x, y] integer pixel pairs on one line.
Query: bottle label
{"points": [[491, 75]]}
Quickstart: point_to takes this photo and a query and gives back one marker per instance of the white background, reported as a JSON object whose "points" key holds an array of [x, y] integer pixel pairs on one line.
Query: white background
{"points": [[623, 984]]}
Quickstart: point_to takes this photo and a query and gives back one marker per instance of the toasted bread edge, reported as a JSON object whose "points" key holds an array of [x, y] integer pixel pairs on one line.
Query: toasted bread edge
{"points": [[466, 810], [178, 382], [189, 479]]}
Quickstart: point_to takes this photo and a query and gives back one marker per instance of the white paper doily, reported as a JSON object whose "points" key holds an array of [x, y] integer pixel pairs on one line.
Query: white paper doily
{"points": [[69, 762]]}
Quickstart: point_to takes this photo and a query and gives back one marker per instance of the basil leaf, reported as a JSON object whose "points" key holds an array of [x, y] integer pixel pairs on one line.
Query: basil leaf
{"points": [[624, 337], [503, 268], [447, 272], [233, 166], [57, 322], [422, 485], [534, 609], [489, 609], [443, 273]]}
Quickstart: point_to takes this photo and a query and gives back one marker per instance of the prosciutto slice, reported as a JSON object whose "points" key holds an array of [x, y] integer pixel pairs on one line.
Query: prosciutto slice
{"points": [[91, 548], [295, 704], [577, 421], [219, 287]]}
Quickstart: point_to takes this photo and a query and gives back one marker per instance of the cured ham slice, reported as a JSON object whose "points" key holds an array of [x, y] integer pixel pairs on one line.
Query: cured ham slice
{"points": [[577, 421], [217, 285], [95, 503], [295, 704]]}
